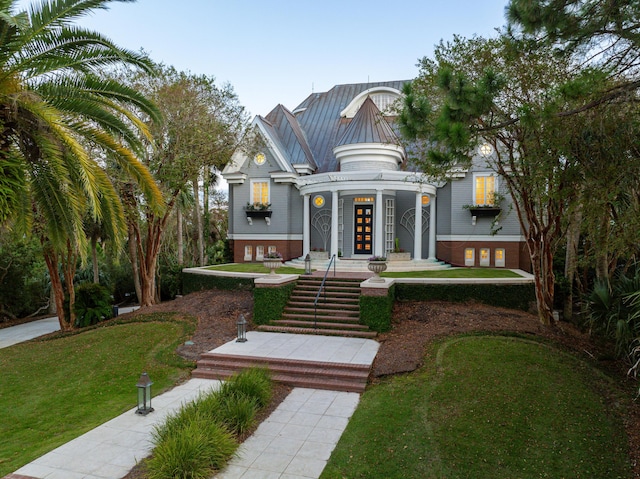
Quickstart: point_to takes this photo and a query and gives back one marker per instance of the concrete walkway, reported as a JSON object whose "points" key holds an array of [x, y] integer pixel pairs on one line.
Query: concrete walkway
{"points": [[294, 442], [35, 329]]}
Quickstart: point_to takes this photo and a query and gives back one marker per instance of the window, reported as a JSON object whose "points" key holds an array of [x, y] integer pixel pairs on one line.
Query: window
{"points": [[272, 249], [485, 257], [469, 257], [259, 253], [500, 262], [248, 252], [484, 189], [389, 225], [260, 191]]}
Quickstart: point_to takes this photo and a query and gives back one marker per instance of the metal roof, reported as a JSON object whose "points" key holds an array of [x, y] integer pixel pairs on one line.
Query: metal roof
{"points": [[368, 126], [309, 135]]}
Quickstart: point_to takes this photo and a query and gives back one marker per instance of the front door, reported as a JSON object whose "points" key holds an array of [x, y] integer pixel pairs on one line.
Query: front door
{"points": [[363, 234]]}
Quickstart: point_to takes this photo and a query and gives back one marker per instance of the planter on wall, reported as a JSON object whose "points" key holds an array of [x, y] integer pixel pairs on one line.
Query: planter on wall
{"points": [[485, 211], [272, 264], [263, 214], [377, 267], [398, 256]]}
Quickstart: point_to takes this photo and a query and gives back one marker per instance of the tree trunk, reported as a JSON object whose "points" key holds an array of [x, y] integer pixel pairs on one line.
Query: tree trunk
{"points": [[51, 259], [571, 260], [205, 215], [94, 259], [198, 217], [180, 236], [133, 257]]}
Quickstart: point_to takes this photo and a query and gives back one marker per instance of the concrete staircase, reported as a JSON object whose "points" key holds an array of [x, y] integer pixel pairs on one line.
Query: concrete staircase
{"points": [[295, 373], [337, 312]]}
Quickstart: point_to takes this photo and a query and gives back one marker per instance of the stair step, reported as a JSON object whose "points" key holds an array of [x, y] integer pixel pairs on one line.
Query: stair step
{"points": [[310, 316], [319, 324], [325, 305], [333, 294], [299, 373], [322, 310], [326, 332], [342, 300]]}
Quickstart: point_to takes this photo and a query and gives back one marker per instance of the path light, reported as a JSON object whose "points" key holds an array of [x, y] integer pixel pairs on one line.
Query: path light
{"points": [[242, 329], [144, 395], [307, 264]]}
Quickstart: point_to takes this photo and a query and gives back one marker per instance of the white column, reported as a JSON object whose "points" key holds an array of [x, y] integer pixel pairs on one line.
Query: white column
{"points": [[306, 226], [378, 239], [334, 223], [417, 236], [432, 228]]}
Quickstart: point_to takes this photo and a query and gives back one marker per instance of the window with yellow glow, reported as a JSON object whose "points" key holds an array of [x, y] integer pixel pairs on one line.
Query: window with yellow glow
{"points": [[425, 200], [485, 188], [468, 253], [318, 201], [260, 191]]}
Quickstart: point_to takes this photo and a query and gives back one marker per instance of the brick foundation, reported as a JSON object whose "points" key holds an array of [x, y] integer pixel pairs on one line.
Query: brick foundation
{"points": [[289, 249], [516, 255]]}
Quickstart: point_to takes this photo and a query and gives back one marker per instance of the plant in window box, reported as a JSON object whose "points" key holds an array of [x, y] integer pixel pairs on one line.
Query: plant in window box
{"points": [[258, 210], [377, 264], [489, 209], [272, 261]]}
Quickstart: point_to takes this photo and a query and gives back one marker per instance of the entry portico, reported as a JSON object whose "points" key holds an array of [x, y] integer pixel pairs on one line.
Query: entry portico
{"points": [[370, 189]]}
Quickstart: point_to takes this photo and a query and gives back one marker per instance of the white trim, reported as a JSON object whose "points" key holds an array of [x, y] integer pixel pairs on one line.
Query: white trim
{"points": [[277, 154], [354, 104], [283, 177], [485, 174], [370, 156], [235, 178], [303, 169], [253, 181], [265, 237], [485, 238]]}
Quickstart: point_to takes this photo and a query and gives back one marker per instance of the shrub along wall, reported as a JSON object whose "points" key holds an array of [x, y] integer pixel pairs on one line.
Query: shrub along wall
{"points": [[192, 282], [516, 296], [377, 311], [269, 303]]}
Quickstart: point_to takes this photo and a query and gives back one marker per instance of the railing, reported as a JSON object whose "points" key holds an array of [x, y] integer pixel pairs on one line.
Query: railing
{"points": [[322, 288]]}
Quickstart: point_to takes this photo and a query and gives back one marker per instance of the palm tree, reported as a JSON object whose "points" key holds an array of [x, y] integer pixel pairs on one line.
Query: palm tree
{"points": [[54, 101]]}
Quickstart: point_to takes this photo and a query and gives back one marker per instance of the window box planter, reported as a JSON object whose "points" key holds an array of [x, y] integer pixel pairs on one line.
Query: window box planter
{"points": [[485, 211], [399, 256], [261, 214]]}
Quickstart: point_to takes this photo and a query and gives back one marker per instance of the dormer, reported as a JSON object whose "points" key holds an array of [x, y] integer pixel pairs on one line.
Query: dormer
{"points": [[383, 98]]}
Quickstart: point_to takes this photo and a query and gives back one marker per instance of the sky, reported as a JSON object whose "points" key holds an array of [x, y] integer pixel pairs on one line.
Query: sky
{"points": [[280, 51]]}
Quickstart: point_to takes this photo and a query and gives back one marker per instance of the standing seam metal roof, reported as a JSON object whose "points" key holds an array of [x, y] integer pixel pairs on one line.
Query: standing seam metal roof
{"points": [[368, 126]]}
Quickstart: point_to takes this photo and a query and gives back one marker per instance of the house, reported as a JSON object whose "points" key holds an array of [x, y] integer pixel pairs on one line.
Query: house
{"points": [[333, 176]]}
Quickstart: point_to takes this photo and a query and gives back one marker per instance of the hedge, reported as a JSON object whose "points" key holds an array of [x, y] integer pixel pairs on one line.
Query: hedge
{"points": [[376, 311], [192, 282], [514, 296], [269, 303]]}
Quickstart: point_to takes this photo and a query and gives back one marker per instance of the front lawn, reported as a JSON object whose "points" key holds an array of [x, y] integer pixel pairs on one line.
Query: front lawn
{"points": [[455, 273], [52, 391], [486, 407]]}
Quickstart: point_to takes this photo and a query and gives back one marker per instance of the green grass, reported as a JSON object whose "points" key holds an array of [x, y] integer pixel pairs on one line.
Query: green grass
{"points": [[486, 407], [53, 391], [253, 268], [455, 273]]}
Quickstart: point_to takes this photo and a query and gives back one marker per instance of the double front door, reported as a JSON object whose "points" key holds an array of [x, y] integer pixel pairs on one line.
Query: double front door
{"points": [[363, 233]]}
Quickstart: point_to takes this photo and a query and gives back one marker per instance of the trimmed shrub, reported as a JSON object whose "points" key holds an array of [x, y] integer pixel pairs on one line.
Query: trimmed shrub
{"points": [[377, 311], [197, 282], [254, 383], [193, 451], [515, 296], [92, 305], [269, 303], [237, 412]]}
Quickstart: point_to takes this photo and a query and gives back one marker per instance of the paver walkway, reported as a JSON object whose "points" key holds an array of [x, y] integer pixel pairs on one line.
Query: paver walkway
{"points": [[294, 442]]}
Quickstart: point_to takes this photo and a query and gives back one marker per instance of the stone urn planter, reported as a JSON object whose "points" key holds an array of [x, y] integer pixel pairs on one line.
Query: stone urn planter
{"points": [[377, 267], [272, 264]]}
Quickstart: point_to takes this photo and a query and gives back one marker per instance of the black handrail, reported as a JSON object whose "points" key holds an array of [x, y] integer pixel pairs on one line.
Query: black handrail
{"points": [[315, 303]]}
